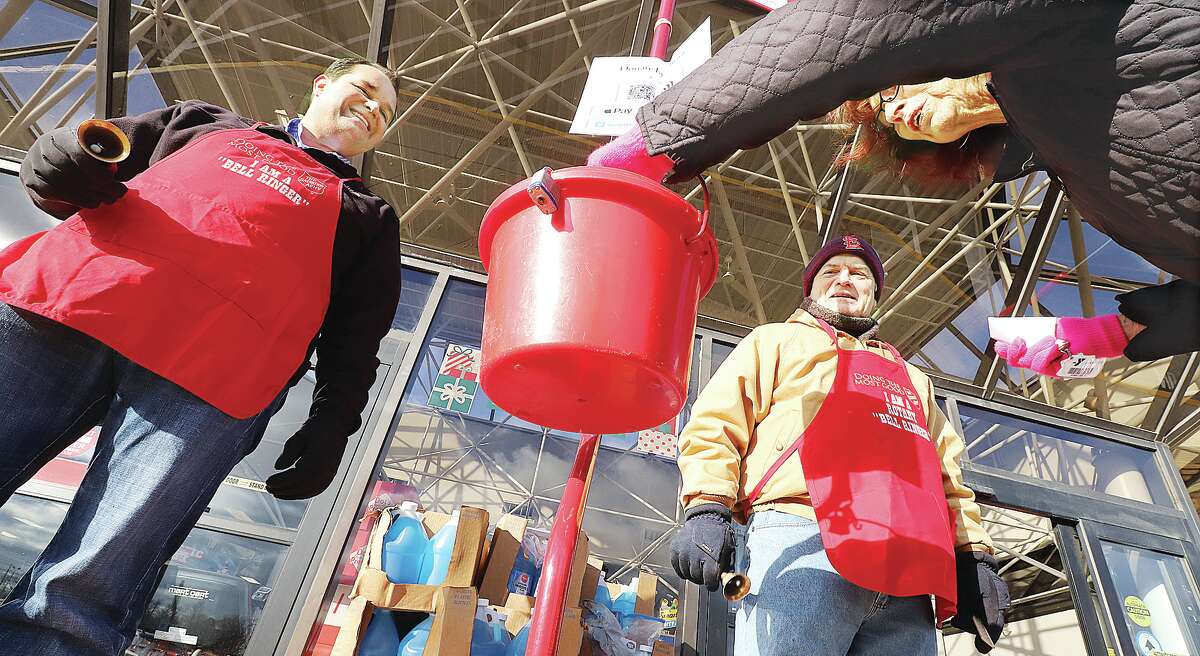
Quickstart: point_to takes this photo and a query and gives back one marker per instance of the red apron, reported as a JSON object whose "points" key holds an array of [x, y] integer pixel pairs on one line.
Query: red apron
{"points": [[875, 482], [213, 271]]}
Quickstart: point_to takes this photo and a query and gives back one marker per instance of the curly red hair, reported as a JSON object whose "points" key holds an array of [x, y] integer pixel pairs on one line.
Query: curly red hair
{"points": [[966, 160]]}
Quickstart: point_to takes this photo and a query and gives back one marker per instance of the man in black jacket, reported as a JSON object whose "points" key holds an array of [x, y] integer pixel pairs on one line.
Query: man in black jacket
{"points": [[183, 295], [1102, 95]]}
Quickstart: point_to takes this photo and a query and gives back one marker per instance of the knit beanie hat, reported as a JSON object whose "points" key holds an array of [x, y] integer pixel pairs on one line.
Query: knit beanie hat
{"points": [[845, 245]]}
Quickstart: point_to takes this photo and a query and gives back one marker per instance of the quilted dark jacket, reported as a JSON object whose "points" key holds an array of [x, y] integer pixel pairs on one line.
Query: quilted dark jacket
{"points": [[1106, 93]]}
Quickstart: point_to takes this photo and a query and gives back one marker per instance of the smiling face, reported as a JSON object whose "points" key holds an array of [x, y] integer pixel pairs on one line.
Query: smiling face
{"points": [[350, 113], [940, 111], [844, 284]]}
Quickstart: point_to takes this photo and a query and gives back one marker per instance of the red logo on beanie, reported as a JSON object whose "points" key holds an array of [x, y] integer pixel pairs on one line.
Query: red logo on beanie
{"points": [[851, 242]]}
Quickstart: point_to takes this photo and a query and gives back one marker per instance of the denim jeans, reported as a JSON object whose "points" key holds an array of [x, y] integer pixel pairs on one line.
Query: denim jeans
{"points": [[799, 606], [161, 455]]}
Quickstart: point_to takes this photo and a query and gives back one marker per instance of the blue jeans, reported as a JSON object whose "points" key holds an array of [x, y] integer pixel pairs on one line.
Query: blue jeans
{"points": [[161, 455], [798, 604]]}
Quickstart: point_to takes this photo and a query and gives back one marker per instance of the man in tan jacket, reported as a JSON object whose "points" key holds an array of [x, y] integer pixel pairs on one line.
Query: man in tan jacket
{"points": [[835, 453]]}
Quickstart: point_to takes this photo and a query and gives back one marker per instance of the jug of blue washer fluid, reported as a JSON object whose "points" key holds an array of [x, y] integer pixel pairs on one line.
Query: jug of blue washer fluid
{"points": [[381, 638], [489, 637], [413, 644], [436, 561], [519, 643], [404, 545]]}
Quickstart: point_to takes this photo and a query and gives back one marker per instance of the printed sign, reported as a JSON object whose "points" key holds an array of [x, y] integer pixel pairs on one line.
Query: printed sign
{"points": [[245, 483], [188, 593], [1137, 611], [658, 441], [457, 380], [617, 86]]}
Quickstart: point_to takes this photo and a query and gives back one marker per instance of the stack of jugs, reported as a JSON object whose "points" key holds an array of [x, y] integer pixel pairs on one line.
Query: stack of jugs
{"points": [[409, 556]]}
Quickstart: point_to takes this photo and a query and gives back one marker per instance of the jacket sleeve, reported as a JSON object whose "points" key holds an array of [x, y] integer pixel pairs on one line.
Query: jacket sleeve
{"points": [[359, 316], [160, 132], [969, 534], [713, 443], [804, 59]]}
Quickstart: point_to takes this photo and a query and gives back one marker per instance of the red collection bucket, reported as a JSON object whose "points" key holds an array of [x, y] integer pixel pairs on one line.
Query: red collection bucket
{"points": [[591, 310]]}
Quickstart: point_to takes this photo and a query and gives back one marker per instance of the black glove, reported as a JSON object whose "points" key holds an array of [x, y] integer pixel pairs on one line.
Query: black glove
{"points": [[982, 595], [57, 169], [703, 548], [1171, 315], [316, 455]]}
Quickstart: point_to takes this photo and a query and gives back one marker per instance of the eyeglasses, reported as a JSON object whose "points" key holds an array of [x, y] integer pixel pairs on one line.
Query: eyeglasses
{"points": [[895, 94], [882, 100]]}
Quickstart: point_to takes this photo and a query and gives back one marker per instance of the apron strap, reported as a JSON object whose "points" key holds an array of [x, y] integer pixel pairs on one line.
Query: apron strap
{"points": [[828, 329], [762, 482]]}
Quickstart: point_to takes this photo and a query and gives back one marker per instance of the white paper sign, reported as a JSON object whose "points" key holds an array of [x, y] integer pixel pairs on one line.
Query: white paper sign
{"points": [[617, 86], [1030, 329]]}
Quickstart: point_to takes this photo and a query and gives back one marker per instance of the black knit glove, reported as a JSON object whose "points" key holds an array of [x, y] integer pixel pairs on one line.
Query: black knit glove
{"points": [[316, 456], [58, 170], [703, 548], [982, 598], [1171, 315]]}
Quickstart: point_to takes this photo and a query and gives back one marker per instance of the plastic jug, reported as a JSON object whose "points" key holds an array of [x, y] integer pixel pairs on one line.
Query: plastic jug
{"points": [[381, 638], [519, 643], [624, 602], [404, 545], [489, 637], [603, 598], [435, 563], [414, 643]]}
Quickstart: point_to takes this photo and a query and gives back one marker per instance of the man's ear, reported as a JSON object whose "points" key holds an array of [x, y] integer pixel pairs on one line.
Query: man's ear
{"points": [[319, 83]]}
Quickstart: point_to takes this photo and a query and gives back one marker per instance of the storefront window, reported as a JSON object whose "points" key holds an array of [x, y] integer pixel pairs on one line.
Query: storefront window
{"points": [[1158, 605], [414, 292], [210, 597], [1062, 456], [452, 446], [26, 526]]}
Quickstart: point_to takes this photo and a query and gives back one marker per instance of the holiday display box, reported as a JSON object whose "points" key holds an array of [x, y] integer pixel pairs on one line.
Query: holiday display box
{"points": [[372, 582], [453, 609]]}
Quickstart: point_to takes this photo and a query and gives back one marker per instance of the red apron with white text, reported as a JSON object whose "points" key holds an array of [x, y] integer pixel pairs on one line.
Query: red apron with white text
{"points": [[213, 270], [875, 481]]}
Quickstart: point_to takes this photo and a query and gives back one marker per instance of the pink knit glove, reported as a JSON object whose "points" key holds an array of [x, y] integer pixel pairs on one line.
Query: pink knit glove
{"points": [[1102, 337], [628, 152]]}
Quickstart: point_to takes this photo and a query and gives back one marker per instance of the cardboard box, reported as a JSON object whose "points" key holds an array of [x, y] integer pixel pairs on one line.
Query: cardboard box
{"points": [[663, 648], [519, 604], [647, 591], [505, 544], [373, 585], [454, 607], [593, 574]]}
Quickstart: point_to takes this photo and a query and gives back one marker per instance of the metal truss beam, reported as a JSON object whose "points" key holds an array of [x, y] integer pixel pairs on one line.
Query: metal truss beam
{"points": [[1024, 278], [77, 7], [112, 57], [1176, 379]]}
